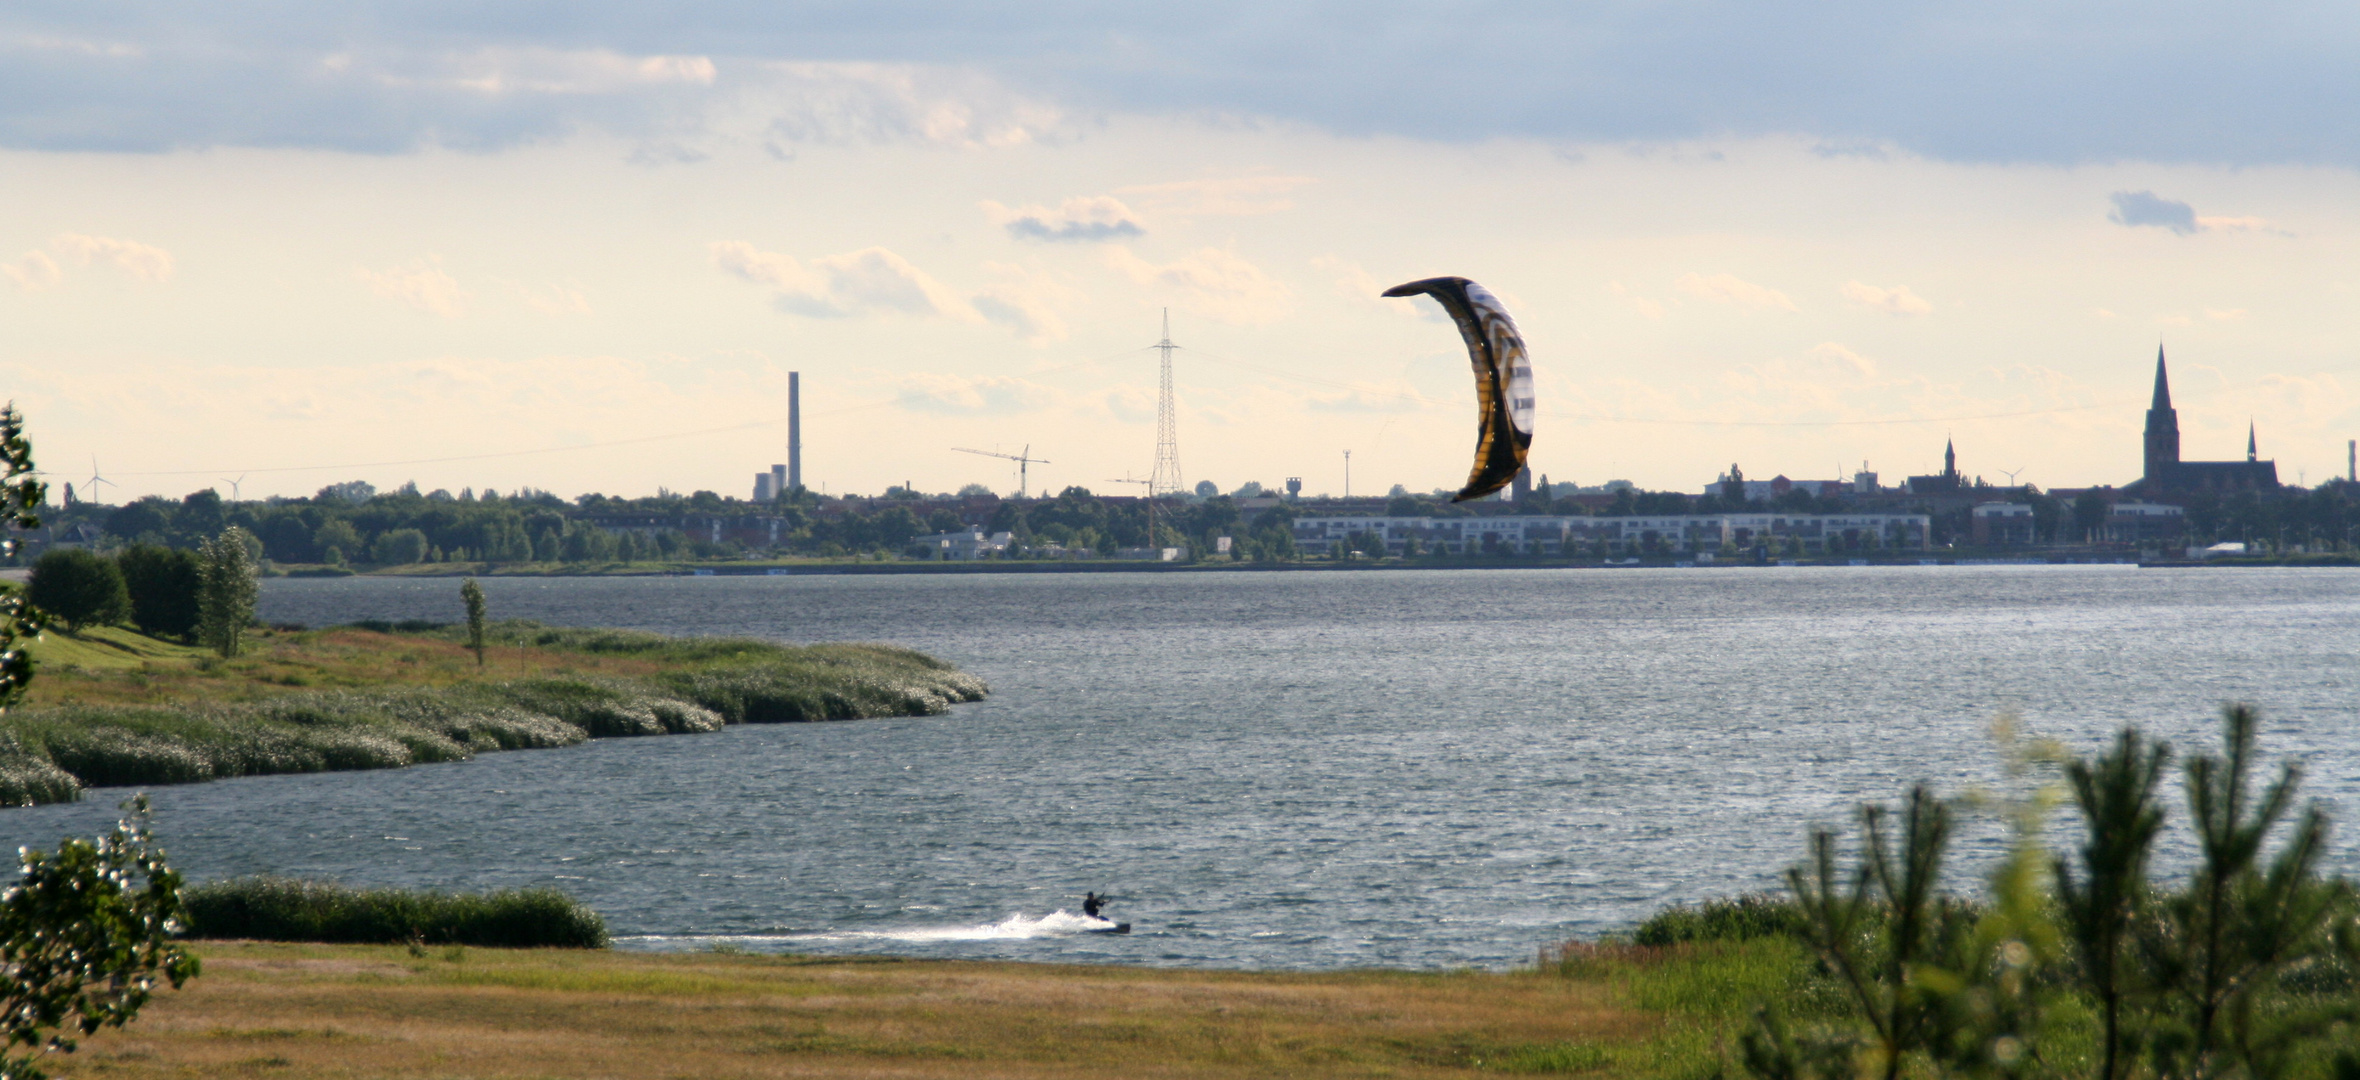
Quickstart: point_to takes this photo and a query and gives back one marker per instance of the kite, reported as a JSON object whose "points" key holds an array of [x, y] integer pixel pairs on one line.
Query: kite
{"points": [[1503, 379]]}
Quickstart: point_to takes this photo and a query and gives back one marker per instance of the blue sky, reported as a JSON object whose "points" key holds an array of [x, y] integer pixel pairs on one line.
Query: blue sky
{"points": [[1791, 236]]}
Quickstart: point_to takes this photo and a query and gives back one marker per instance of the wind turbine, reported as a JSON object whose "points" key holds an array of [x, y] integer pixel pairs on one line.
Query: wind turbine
{"points": [[233, 487], [2012, 475], [95, 480], [1022, 461]]}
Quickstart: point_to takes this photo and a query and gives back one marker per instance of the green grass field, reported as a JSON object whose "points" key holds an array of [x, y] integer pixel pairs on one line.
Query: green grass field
{"points": [[300, 1011]]}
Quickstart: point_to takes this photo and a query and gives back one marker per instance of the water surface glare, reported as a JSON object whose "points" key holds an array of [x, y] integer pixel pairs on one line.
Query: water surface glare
{"points": [[1289, 770]]}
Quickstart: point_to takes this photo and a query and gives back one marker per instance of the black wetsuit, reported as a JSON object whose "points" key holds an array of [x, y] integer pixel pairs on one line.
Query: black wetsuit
{"points": [[1090, 905]]}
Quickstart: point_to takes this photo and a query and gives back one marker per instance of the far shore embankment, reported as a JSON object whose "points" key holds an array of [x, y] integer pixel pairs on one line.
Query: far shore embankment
{"points": [[111, 707]]}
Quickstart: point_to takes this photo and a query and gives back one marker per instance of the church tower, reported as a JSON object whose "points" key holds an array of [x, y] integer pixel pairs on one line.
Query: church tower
{"points": [[2163, 429]]}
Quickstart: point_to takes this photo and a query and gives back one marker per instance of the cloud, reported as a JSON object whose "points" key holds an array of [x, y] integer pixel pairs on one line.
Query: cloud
{"points": [[1083, 218], [555, 300], [958, 395], [130, 256], [1025, 302], [868, 281], [35, 271], [2078, 87], [2137, 208], [422, 285], [1234, 196], [1729, 289], [1833, 358], [1356, 284], [876, 104], [1213, 282], [2228, 315], [1645, 308], [1897, 300], [1395, 397]]}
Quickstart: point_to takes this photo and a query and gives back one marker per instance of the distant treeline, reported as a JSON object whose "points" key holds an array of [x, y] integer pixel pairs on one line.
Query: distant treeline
{"points": [[354, 523]]}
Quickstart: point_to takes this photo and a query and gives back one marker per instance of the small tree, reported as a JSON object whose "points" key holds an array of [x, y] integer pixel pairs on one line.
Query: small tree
{"points": [[472, 594], [82, 588], [163, 583], [226, 591], [84, 936], [20, 497]]}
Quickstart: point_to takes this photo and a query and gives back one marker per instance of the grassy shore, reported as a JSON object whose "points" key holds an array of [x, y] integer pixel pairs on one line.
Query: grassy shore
{"points": [[301, 1011], [113, 708]]}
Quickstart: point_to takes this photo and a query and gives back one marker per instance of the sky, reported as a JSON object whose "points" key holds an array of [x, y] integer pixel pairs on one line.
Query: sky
{"points": [[262, 248]]}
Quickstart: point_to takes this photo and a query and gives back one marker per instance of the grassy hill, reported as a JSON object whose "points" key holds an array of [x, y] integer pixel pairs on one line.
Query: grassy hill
{"points": [[110, 707]]}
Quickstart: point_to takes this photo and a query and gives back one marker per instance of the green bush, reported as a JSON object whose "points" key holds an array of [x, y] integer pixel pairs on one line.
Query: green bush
{"points": [[285, 909], [162, 584], [2082, 964], [81, 588], [1741, 918]]}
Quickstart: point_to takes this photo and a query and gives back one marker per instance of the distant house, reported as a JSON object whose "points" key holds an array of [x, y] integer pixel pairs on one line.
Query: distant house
{"points": [[2143, 522], [2003, 524], [971, 544]]}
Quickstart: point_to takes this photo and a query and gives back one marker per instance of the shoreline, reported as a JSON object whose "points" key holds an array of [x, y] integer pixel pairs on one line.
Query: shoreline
{"points": [[117, 709], [993, 566]]}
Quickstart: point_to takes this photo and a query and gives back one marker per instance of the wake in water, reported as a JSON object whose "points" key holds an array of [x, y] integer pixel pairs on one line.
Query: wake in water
{"points": [[1016, 927]]}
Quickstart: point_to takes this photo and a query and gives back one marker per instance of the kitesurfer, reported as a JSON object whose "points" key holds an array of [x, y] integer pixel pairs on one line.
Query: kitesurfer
{"points": [[1092, 903]]}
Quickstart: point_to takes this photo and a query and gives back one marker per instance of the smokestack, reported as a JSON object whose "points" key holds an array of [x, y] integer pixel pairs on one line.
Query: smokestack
{"points": [[794, 430], [2351, 461]]}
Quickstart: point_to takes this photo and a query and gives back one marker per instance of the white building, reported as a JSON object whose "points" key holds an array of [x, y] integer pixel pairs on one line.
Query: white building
{"points": [[972, 544], [1601, 536]]}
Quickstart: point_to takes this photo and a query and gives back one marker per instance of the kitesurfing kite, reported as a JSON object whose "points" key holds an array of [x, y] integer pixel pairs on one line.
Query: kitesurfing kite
{"points": [[1503, 379]]}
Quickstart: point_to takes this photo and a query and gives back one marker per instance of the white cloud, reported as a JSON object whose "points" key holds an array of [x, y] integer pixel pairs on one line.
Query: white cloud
{"points": [[130, 256], [856, 104], [35, 271], [560, 71], [422, 285], [1355, 283], [1084, 218], [870, 280], [1729, 289], [555, 300], [1235, 196], [1836, 359], [2226, 315], [1213, 282], [1394, 397], [958, 395], [1025, 302], [1646, 309], [1897, 300]]}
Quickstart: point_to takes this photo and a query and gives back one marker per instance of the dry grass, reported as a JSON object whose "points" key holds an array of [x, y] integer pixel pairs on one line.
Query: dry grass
{"points": [[299, 1011], [112, 666]]}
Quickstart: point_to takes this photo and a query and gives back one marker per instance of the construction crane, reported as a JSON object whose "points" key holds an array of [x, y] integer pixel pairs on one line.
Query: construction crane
{"points": [[1150, 500], [1023, 461]]}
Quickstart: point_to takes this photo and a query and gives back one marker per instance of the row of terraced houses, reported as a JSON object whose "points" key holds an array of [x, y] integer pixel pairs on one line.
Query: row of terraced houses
{"points": [[1683, 534]]}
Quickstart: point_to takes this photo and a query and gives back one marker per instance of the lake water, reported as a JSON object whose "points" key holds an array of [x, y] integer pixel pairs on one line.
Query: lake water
{"points": [[1290, 770]]}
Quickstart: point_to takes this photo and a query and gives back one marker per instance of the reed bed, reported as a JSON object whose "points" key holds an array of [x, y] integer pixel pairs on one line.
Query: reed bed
{"points": [[285, 909], [382, 696]]}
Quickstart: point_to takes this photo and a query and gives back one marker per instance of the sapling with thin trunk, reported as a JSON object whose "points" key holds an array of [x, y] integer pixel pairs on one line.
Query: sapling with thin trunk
{"points": [[472, 594], [2099, 906]]}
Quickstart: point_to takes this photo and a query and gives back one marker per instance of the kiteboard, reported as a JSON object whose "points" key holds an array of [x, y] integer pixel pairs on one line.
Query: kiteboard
{"points": [[1111, 928]]}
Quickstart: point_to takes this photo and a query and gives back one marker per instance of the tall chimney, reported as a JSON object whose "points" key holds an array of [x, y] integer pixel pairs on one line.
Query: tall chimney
{"points": [[794, 431], [2351, 461]]}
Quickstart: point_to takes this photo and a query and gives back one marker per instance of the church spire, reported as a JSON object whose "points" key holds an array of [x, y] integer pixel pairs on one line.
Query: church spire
{"points": [[2163, 386], [2252, 453]]}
